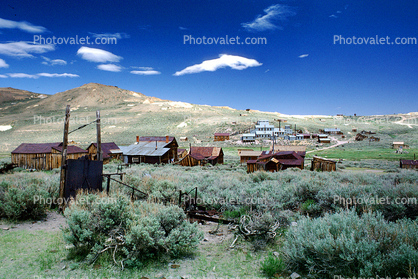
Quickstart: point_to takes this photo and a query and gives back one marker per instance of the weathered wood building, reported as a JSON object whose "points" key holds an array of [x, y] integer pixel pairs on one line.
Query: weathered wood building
{"points": [[399, 144], [181, 153], [43, 156], [245, 155], [269, 161], [408, 164], [199, 156], [109, 149], [151, 150], [221, 136], [323, 164]]}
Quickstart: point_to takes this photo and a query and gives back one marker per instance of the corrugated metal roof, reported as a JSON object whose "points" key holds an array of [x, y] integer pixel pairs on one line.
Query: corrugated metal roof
{"points": [[250, 153], [32, 148], [206, 151], [152, 138], [332, 130], [143, 150], [222, 134]]}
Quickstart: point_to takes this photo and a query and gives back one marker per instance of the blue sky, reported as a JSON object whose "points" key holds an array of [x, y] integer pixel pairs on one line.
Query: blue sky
{"points": [[297, 68]]}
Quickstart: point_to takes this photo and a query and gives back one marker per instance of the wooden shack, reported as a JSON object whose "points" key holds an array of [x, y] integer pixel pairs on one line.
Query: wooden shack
{"points": [[270, 161], [109, 149], [199, 156], [323, 164], [399, 144], [166, 142], [43, 156], [181, 153], [221, 136], [246, 155], [408, 164]]}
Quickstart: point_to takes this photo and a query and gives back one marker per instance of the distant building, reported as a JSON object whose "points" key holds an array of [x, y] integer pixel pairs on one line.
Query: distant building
{"points": [[330, 131], [324, 140], [221, 136], [44, 156], [273, 162], [408, 164], [151, 150], [246, 155], [200, 156], [399, 144], [109, 149], [265, 130], [248, 137]]}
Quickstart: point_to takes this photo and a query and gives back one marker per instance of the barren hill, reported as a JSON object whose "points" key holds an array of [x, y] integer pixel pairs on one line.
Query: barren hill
{"points": [[9, 94]]}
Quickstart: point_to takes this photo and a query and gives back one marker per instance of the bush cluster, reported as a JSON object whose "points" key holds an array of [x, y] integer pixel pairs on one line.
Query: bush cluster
{"points": [[134, 232], [18, 192], [347, 245]]}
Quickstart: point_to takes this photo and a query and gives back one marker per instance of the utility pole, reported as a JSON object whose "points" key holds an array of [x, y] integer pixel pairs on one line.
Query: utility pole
{"points": [[61, 199], [99, 138]]}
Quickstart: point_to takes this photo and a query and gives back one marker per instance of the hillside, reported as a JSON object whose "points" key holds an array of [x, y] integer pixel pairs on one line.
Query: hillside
{"points": [[9, 94], [126, 114]]}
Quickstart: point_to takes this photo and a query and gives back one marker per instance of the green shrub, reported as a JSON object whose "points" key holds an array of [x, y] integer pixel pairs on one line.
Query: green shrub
{"points": [[18, 203], [137, 232], [272, 265], [348, 245]]}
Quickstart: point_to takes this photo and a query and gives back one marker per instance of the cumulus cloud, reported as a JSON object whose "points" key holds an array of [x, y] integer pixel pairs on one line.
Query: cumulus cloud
{"points": [[303, 55], [22, 25], [53, 62], [23, 75], [3, 76], [109, 67], [224, 60], [3, 64], [97, 55], [273, 15], [146, 72], [24, 49]]}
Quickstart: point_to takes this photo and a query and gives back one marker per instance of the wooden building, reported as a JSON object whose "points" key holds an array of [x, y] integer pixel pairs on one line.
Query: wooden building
{"points": [[272, 162], [399, 144], [151, 150], [221, 136], [408, 164], [199, 156], [323, 164], [43, 156], [331, 131], [181, 153], [109, 149], [324, 140], [246, 155], [373, 138]]}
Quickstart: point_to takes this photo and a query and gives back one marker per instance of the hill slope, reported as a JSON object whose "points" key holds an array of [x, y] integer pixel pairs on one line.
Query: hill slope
{"points": [[9, 94]]}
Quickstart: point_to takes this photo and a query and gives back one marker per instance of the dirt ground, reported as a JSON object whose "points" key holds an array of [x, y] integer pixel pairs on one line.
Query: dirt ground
{"points": [[53, 222]]}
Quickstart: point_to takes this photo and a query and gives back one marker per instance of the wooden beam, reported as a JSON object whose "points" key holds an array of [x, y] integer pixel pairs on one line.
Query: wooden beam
{"points": [[99, 137], [64, 159]]}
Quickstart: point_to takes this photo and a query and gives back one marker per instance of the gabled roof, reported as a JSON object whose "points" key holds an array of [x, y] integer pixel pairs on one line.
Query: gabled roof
{"points": [[290, 158], [222, 134], [107, 148], [206, 152], [32, 148], [158, 139], [180, 150]]}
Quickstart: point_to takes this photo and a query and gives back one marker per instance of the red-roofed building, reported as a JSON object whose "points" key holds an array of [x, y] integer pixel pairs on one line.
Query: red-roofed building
{"points": [[408, 164], [199, 156], [44, 156]]}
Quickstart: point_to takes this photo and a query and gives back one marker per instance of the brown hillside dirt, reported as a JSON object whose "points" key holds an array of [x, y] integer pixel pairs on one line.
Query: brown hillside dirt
{"points": [[8, 94]]}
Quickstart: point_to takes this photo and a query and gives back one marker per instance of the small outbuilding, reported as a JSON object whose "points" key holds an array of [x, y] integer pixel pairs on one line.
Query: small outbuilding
{"points": [[110, 151], [323, 164], [399, 144], [408, 164], [199, 156]]}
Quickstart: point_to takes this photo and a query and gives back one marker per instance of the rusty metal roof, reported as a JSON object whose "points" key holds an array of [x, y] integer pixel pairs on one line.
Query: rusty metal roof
{"points": [[410, 162], [33, 148], [222, 134], [206, 151]]}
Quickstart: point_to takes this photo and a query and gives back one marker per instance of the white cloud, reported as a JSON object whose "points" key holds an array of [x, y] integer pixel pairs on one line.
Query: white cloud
{"points": [[97, 55], [269, 21], [24, 49], [3, 64], [183, 28], [146, 72], [303, 55], [57, 75], [23, 75], [111, 35], [53, 62], [22, 25], [109, 67], [3, 76], [224, 60], [334, 16]]}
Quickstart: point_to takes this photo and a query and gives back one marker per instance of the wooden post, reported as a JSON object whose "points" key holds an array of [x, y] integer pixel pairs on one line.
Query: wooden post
{"points": [[99, 138], [61, 200], [108, 184]]}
